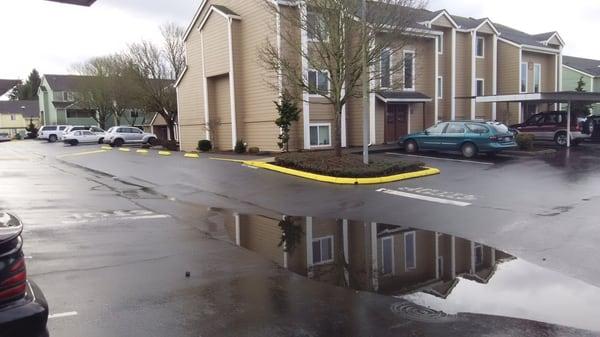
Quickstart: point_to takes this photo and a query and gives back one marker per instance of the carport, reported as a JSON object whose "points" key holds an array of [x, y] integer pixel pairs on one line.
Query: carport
{"points": [[559, 97]]}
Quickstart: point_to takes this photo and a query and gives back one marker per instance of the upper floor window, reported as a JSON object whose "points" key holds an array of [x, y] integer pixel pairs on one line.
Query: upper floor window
{"points": [[409, 70], [440, 44], [315, 27], [322, 250], [523, 86], [386, 66], [480, 87], [440, 84], [480, 47], [537, 77], [318, 82]]}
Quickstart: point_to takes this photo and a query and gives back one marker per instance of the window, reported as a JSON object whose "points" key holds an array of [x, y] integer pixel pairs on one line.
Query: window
{"points": [[410, 251], [478, 254], [13, 117], [322, 250], [524, 77], [440, 45], [61, 128], [409, 70], [387, 255], [537, 77], [480, 47], [436, 129], [95, 129], [320, 135], [77, 133], [480, 87], [86, 133], [386, 63], [48, 128], [315, 27], [440, 266], [440, 84], [455, 128], [477, 128], [318, 82]]}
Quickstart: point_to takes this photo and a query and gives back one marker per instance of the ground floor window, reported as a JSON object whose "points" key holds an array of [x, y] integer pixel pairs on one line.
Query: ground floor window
{"points": [[387, 255], [410, 251], [322, 250], [320, 134]]}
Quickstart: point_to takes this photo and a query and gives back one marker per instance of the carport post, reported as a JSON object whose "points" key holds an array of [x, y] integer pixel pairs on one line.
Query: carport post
{"points": [[569, 125]]}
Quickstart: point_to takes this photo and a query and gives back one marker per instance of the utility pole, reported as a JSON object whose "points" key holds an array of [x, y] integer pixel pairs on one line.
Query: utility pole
{"points": [[365, 84]]}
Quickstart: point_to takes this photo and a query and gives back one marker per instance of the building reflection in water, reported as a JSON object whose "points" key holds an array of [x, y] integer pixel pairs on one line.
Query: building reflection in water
{"points": [[388, 259]]}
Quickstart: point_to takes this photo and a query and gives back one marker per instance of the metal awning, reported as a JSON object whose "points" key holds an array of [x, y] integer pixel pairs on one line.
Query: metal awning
{"points": [[398, 96], [568, 97]]}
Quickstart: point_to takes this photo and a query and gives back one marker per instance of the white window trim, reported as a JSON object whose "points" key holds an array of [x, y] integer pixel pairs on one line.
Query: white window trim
{"points": [[381, 73], [414, 61], [482, 86], [322, 238], [317, 79], [440, 45], [393, 271], [406, 268], [317, 125], [521, 76], [482, 56], [440, 87], [537, 65], [308, 38]]}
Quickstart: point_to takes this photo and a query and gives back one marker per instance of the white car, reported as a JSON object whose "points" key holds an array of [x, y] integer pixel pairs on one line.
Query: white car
{"points": [[81, 137], [4, 137], [51, 133], [119, 135]]}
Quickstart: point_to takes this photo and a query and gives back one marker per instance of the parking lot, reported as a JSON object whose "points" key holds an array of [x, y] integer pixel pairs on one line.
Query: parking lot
{"points": [[110, 235]]}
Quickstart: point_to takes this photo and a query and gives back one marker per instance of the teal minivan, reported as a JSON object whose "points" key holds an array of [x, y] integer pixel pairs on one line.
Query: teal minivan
{"points": [[467, 137]]}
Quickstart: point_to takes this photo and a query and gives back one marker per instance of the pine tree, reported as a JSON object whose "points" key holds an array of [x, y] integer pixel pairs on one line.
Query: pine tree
{"points": [[28, 90]]}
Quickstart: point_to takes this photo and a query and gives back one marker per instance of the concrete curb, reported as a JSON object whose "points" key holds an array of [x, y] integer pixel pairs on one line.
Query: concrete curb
{"points": [[428, 171]]}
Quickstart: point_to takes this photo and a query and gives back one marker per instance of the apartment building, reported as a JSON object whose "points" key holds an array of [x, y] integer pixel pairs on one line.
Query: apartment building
{"points": [[225, 94], [586, 70]]}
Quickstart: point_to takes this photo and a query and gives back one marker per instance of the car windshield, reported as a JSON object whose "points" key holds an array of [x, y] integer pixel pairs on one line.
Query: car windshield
{"points": [[499, 127]]}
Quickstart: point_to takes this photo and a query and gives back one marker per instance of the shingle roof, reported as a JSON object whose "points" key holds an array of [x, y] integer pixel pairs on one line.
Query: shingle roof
{"points": [[64, 82], [29, 109], [589, 66], [403, 95], [518, 36], [6, 85], [225, 10]]}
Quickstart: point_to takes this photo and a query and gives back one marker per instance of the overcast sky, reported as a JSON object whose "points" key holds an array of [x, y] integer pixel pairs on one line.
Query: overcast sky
{"points": [[52, 37]]}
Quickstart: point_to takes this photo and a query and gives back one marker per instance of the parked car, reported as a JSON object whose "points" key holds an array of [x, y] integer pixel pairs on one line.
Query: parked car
{"points": [[82, 136], [23, 307], [552, 125], [119, 135], [594, 121], [51, 132], [4, 137], [467, 137], [72, 128]]}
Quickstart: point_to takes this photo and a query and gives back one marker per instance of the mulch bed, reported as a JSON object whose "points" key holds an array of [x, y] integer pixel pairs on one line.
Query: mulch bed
{"points": [[346, 166]]}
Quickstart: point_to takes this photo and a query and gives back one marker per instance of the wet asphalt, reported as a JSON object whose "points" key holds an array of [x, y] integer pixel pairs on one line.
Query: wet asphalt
{"points": [[111, 235]]}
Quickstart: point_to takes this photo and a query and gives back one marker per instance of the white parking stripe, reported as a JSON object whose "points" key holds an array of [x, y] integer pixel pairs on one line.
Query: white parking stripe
{"points": [[437, 158], [424, 197], [63, 314]]}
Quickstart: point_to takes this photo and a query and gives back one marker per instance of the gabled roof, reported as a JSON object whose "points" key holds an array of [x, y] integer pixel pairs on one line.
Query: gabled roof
{"points": [[7, 85], [64, 82], [522, 38], [588, 66], [29, 109]]}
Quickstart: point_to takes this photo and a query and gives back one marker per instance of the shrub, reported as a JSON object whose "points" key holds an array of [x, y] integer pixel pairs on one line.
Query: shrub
{"points": [[18, 136], [240, 146], [525, 141], [32, 130], [171, 145], [204, 145], [253, 150]]}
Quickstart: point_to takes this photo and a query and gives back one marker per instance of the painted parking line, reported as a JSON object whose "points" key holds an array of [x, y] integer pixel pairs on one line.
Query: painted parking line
{"points": [[438, 158], [81, 153], [424, 197], [63, 314]]}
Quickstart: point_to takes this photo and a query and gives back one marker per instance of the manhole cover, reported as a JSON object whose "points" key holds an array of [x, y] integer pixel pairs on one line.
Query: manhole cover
{"points": [[419, 313]]}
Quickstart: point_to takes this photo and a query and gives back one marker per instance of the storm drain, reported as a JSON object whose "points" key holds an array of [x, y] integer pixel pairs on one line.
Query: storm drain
{"points": [[419, 313]]}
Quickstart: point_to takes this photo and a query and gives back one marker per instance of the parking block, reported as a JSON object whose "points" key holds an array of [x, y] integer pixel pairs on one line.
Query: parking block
{"points": [[106, 148], [164, 153], [124, 149], [191, 155], [142, 151]]}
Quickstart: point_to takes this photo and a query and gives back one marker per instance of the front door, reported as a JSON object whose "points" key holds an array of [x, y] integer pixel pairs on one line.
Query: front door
{"points": [[396, 122]]}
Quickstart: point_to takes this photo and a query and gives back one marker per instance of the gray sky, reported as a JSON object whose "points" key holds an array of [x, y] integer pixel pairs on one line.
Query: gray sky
{"points": [[52, 37]]}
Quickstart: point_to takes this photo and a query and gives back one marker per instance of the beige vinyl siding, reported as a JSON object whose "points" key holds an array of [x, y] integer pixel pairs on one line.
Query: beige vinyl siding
{"points": [[379, 122], [445, 70], [508, 80], [547, 62], [216, 45], [417, 122], [484, 69], [354, 124], [220, 110], [442, 21], [486, 28], [261, 235], [463, 74]]}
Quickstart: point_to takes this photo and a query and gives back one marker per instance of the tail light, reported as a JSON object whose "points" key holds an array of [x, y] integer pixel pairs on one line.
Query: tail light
{"points": [[14, 285]]}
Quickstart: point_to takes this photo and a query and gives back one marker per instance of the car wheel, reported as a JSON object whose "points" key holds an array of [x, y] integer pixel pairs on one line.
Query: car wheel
{"points": [[74, 142], [469, 150], [101, 141], [118, 142], [152, 141], [52, 138], [411, 146], [561, 139]]}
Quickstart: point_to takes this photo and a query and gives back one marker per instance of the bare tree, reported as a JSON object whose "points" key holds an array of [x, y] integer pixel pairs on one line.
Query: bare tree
{"points": [[341, 48], [174, 47]]}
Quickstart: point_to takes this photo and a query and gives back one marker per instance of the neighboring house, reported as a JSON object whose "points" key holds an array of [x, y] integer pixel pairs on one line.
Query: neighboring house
{"points": [[57, 101], [453, 60], [158, 126], [576, 68], [7, 85], [15, 116]]}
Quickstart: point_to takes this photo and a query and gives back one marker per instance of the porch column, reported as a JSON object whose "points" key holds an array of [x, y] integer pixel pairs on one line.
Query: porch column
{"points": [[435, 81], [343, 124], [473, 72], [437, 254], [232, 95], [238, 234], [569, 125], [453, 256], [309, 252], [374, 265], [305, 96], [204, 90], [346, 251], [494, 75], [453, 77]]}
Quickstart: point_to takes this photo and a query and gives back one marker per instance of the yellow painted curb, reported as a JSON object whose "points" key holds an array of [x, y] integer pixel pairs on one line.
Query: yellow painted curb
{"points": [[164, 153], [106, 148], [124, 149], [428, 171], [226, 159], [142, 151], [191, 155], [81, 153]]}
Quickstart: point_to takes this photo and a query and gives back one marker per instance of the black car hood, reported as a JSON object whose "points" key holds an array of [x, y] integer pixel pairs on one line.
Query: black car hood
{"points": [[10, 227]]}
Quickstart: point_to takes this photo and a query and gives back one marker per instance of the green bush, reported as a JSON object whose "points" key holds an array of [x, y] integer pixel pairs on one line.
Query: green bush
{"points": [[240, 146], [525, 141], [204, 145], [171, 145], [18, 136]]}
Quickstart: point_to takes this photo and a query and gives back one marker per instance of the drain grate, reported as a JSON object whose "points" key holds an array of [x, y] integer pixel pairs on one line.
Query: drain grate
{"points": [[419, 313]]}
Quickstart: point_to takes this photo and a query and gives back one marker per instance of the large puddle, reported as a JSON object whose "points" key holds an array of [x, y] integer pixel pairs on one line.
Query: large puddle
{"points": [[434, 270]]}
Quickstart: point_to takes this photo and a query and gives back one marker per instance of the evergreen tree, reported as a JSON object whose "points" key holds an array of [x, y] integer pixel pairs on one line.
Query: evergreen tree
{"points": [[580, 108], [28, 90]]}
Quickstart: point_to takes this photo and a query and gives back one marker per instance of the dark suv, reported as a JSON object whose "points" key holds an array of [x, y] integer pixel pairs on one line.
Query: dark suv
{"points": [[552, 125], [23, 308]]}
